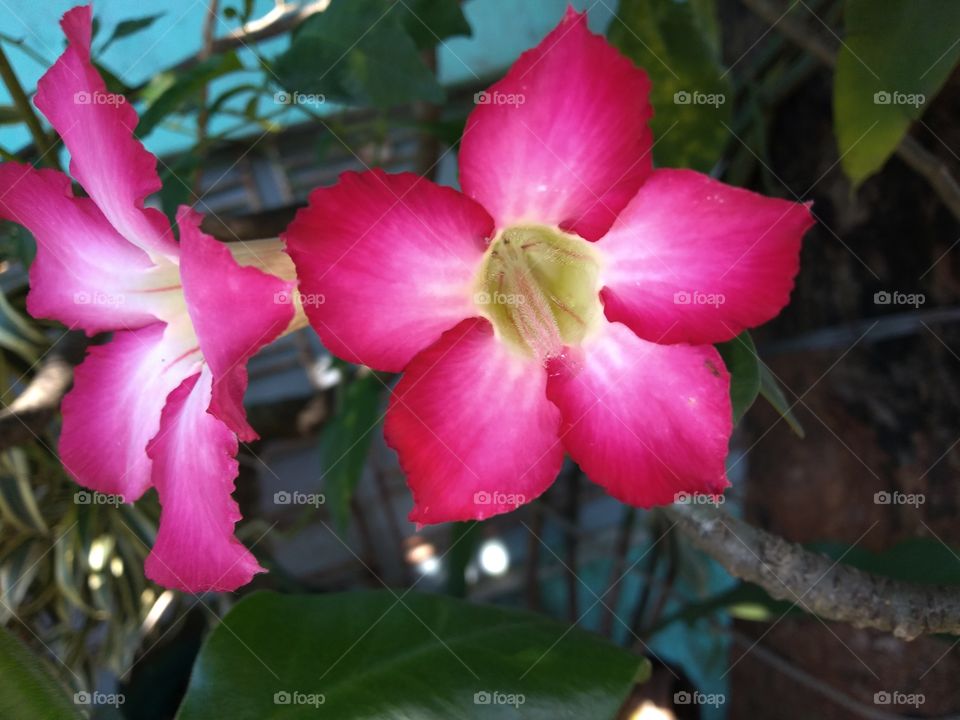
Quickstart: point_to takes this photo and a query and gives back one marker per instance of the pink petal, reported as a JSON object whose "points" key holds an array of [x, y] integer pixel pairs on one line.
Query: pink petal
{"points": [[645, 421], [577, 147], [693, 260], [114, 407], [386, 264], [85, 274], [235, 311], [194, 469], [97, 127], [472, 426]]}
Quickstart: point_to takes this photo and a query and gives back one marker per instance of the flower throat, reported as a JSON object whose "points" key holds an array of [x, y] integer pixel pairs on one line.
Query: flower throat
{"points": [[539, 287]]}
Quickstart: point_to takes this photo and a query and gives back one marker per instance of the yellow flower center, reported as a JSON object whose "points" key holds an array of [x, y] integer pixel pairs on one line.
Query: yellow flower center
{"points": [[539, 287]]}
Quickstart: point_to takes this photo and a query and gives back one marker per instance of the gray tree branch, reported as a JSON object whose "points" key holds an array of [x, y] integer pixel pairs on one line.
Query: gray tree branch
{"points": [[816, 583]]}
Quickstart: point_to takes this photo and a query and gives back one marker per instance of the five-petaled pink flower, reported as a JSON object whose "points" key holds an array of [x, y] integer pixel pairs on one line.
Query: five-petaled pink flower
{"points": [[161, 403], [566, 300]]}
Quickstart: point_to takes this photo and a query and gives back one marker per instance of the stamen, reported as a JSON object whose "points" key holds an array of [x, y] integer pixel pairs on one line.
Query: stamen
{"points": [[539, 287]]}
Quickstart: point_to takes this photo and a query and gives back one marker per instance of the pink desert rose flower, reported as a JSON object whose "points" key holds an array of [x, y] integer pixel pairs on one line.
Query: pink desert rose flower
{"points": [[566, 300], [160, 405]]}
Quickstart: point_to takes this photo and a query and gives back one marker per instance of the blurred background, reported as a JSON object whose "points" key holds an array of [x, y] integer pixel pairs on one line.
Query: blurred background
{"points": [[250, 104]]}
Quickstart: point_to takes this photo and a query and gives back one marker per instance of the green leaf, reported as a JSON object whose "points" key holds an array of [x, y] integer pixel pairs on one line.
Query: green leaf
{"points": [[357, 52], [243, 16], [770, 390], [27, 688], [740, 357], [126, 28], [345, 442], [17, 334], [677, 43], [366, 655], [896, 57], [429, 22], [178, 90]]}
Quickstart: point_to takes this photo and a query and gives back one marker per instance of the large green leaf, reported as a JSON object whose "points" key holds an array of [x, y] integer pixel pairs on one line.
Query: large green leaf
{"points": [[740, 357], [358, 52], [896, 57], [676, 42], [27, 689], [365, 655]]}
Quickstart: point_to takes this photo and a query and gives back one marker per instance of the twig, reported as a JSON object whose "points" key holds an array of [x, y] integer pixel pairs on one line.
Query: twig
{"points": [[816, 583], [934, 170], [203, 115], [283, 18], [919, 159], [22, 102], [428, 148]]}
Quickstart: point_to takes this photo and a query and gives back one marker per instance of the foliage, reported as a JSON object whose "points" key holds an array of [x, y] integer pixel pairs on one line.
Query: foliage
{"points": [[885, 78], [368, 52], [27, 687], [677, 43], [419, 655], [71, 574]]}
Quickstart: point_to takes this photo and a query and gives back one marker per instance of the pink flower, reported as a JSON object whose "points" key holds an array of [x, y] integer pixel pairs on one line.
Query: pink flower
{"points": [[566, 300], [160, 404]]}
